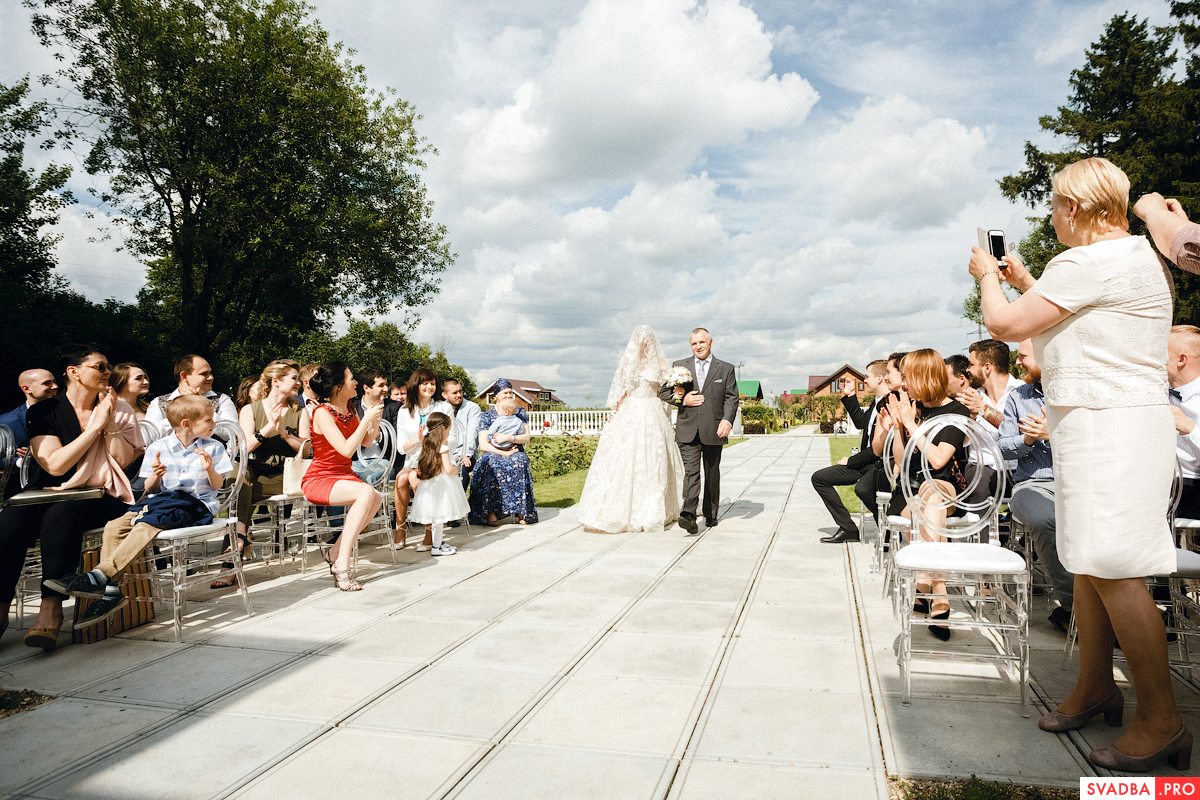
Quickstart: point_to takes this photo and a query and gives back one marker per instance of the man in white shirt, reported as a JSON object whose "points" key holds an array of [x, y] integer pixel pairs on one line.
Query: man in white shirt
{"points": [[195, 377], [1183, 374], [988, 370]]}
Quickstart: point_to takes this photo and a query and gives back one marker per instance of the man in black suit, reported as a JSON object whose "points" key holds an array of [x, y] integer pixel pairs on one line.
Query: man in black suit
{"points": [[858, 469], [705, 421]]}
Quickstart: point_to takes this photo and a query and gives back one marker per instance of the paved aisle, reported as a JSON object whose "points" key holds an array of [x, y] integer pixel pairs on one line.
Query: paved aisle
{"points": [[539, 662]]}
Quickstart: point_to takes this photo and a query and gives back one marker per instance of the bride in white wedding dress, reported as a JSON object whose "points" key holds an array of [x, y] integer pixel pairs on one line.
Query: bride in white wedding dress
{"points": [[635, 482]]}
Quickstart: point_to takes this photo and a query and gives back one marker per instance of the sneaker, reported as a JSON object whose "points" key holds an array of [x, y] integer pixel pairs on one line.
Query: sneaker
{"points": [[101, 610], [80, 585], [421, 548], [443, 549]]}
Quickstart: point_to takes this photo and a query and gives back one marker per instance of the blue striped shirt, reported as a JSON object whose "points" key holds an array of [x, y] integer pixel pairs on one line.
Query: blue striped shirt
{"points": [[1034, 461], [185, 471]]}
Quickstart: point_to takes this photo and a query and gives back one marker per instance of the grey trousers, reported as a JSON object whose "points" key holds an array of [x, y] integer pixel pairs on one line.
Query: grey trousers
{"points": [[1033, 504]]}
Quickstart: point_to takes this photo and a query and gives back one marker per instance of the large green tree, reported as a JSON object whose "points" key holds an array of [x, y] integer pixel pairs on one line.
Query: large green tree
{"points": [[1126, 105], [261, 181]]}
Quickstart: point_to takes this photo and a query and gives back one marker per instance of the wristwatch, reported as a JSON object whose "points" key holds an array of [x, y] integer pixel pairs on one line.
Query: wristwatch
{"points": [[261, 439]]}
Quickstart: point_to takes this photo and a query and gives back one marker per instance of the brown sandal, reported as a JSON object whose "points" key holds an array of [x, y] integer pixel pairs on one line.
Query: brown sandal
{"points": [[45, 638]]}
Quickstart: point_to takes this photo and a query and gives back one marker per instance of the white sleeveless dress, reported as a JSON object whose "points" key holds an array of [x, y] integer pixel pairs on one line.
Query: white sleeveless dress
{"points": [[635, 482]]}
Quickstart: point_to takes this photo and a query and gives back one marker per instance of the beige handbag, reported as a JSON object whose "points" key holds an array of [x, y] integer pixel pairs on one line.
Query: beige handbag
{"points": [[294, 468]]}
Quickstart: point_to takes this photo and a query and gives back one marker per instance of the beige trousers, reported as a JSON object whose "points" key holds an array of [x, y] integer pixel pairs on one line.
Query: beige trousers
{"points": [[123, 543]]}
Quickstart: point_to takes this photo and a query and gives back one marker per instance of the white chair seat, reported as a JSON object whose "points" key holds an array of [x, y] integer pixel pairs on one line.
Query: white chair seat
{"points": [[1187, 524], [217, 526], [970, 518], [33, 497], [898, 521], [279, 498], [959, 557], [883, 495]]}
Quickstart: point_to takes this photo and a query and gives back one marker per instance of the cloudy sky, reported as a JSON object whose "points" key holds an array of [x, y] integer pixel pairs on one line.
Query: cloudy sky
{"points": [[803, 178]]}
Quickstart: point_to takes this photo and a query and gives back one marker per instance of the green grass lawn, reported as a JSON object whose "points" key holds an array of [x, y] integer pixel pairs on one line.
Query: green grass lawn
{"points": [[564, 490], [839, 448]]}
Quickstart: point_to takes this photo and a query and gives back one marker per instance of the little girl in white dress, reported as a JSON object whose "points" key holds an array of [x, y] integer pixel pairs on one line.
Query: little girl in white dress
{"points": [[438, 494]]}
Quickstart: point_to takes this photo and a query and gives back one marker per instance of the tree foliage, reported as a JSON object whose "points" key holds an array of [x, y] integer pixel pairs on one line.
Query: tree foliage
{"points": [[1127, 105], [261, 181]]}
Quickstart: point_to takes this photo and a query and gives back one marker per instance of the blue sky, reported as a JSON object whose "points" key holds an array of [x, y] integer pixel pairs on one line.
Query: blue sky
{"points": [[803, 178]]}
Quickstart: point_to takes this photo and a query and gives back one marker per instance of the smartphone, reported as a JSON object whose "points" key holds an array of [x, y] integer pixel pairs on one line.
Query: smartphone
{"points": [[996, 244]]}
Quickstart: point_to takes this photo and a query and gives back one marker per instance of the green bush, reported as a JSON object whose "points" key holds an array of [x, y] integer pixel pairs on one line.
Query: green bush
{"points": [[557, 455], [753, 427], [757, 413]]}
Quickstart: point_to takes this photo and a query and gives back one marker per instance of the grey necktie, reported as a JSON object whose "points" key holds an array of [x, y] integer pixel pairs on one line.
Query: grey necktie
{"points": [[701, 374]]}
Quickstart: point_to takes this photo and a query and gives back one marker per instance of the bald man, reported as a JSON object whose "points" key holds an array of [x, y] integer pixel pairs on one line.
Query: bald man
{"points": [[37, 385], [1183, 373]]}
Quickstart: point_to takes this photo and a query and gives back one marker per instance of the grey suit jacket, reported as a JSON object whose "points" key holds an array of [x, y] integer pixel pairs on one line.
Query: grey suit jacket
{"points": [[720, 402]]}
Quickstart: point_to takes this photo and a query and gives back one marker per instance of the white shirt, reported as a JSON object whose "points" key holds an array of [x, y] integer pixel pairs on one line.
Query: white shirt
{"points": [[1187, 448], [998, 403], [408, 425], [702, 368], [225, 410]]}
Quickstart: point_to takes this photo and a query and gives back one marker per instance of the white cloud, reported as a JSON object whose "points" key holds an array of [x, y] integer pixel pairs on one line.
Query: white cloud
{"points": [[896, 163], [636, 88]]}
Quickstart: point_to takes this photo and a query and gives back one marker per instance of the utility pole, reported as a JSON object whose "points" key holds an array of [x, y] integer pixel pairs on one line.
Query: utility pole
{"points": [[739, 370]]}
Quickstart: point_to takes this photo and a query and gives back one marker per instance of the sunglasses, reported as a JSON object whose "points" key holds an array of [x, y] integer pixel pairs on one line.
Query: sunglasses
{"points": [[103, 366]]}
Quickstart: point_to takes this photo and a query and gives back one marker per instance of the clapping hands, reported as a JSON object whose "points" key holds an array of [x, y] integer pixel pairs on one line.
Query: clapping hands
{"points": [[1034, 427]]}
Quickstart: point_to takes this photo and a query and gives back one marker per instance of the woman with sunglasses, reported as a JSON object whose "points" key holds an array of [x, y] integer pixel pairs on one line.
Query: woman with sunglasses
{"points": [[81, 439]]}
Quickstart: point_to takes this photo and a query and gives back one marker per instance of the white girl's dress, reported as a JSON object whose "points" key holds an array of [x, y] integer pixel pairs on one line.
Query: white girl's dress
{"points": [[439, 499]]}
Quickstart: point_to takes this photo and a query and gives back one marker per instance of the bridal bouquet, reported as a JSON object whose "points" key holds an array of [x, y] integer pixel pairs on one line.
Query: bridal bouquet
{"points": [[680, 377]]}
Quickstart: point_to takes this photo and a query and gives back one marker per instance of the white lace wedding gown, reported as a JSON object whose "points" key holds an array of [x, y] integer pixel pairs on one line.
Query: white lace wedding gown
{"points": [[635, 482]]}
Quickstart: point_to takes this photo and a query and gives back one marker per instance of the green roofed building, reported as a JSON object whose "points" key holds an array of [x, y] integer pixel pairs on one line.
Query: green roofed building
{"points": [[751, 390]]}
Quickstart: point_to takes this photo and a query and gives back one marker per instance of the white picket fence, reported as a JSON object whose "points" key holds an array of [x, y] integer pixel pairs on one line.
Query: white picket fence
{"points": [[572, 423]]}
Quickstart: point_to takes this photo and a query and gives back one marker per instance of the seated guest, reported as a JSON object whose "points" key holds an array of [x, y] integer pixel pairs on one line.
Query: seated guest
{"points": [[1183, 373], [337, 433], [506, 426], [924, 374], [957, 374], [991, 381], [183, 472], [857, 470], [307, 397], [466, 414], [82, 438], [374, 386], [397, 391], [37, 385], [1025, 439], [1174, 235], [503, 481], [195, 376], [275, 428], [247, 393], [411, 419], [132, 384]]}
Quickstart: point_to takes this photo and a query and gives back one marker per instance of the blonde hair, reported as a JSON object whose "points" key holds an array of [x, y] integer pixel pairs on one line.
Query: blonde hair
{"points": [[1101, 190], [187, 406], [925, 376], [507, 406], [275, 371], [1191, 338]]}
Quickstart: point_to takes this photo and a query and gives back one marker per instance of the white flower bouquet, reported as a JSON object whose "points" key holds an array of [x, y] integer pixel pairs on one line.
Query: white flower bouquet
{"points": [[679, 376]]}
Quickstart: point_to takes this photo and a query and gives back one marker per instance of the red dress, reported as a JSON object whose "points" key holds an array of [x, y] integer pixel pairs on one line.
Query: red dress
{"points": [[328, 465]]}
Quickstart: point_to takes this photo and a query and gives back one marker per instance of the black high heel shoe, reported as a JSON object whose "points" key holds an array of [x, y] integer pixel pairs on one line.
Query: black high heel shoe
{"points": [[941, 631], [921, 606]]}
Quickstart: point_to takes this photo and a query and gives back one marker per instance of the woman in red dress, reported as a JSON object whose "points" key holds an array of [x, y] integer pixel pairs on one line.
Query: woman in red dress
{"points": [[337, 433]]}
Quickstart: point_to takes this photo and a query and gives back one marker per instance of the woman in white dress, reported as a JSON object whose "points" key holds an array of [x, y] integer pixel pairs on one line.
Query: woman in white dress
{"points": [[636, 479], [1100, 317]]}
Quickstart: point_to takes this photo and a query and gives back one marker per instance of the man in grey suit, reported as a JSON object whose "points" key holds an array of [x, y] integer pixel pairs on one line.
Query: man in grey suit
{"points": [[705, 420]]}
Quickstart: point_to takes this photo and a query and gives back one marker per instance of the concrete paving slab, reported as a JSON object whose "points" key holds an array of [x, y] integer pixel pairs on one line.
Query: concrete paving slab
{"points": [[403, 638], [532, 648], [455, 701], [628, 716], [294, 630], [465, 603], [317, 688], [196, 757], [781, 621], [788, 726], [652, 656], [696, 618], [76, 666], [810, 592], [368, 764], [700, 587], [738, 567], [794, 663], [598, 583], [522, 772], [719, 780], [45, 739], [188, 677]]}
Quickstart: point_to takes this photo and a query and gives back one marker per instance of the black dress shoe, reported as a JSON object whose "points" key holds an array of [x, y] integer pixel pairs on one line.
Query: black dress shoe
{"points": [[842, 535], [689, 524], [710, 523], [1060, 618]]}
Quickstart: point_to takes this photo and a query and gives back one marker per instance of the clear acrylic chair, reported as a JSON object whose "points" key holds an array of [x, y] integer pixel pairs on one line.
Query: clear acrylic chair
{"points": [[992, 582], [190, 555]]}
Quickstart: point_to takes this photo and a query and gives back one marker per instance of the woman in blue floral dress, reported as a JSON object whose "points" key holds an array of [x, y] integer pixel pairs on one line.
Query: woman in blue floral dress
{"points": [[502, 483]]}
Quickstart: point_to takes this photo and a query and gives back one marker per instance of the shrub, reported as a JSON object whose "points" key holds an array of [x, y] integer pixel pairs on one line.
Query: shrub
{"points": [[558, 455], [753, 427]]}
